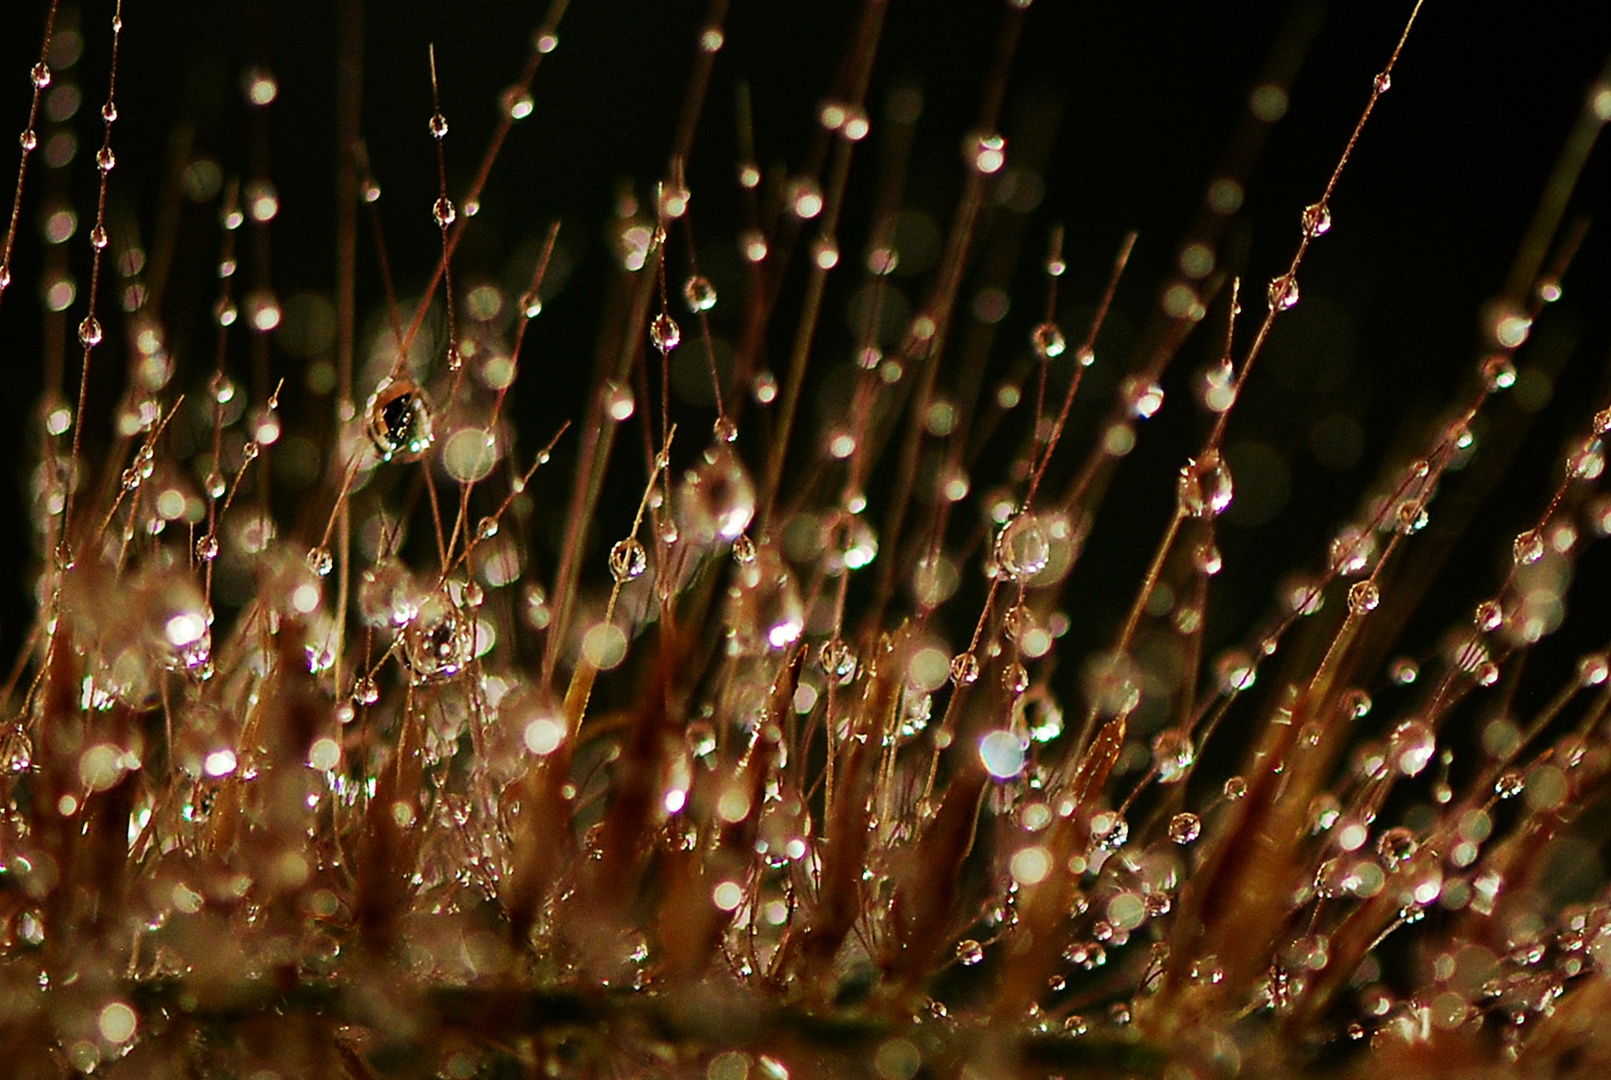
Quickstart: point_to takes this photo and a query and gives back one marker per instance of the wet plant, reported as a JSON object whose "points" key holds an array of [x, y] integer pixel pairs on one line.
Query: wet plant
{"points": [[824, 613]]}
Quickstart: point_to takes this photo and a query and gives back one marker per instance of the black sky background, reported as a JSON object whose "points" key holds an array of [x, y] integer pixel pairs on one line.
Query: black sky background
{"points": [[1147, 97]]}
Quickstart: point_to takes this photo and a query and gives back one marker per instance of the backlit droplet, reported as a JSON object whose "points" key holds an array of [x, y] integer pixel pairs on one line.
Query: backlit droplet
{"points": [[207, 547], [985, 151], [716, 500], [628, 560], [320, 561], [440, 640], [1363, 596], [365, 692], [838, 660], [1488, 616], [1172, 755], [89, 332], [700, 293], [487, 529], [724, 430], [1185, 827], [105, 160], [969, 952], [1498, 372], [663, 332], [1396, 847], [1316, 219], [965, 668], [443, 211], [1022, 548], [28, 140], [40, 75], [1384, 82], [439, 126], [399, 423], [517, 103], [803, 198], [1048, 340], [1002, 753], [1283, 292], [1015, 679], [1411, 746], [1205, 487], [1529, 548]]}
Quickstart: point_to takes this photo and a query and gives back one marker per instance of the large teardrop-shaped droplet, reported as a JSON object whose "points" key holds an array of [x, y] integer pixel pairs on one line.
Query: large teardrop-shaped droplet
{"points": [[716, 501], [399, 419]]}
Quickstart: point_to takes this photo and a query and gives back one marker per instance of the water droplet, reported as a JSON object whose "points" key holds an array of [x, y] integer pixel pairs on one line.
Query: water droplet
{"points": [[969, 952], [1283, 292], [1022, 548], [1142, 397], [1172, 755], [716, 500], [89, 332], [399, 423], [803, 198], [487, 529], [1384, 82], [663, 332], [724, 430], [1411, 746], [1396, 847], [439, 125], [1316, 219], [1509, 785], [517, 103], [1235, 788], [1488, 616], [628, 560], [28, 140], [320, 561], [207, 547], [131, 479], [1363, 596], [1002, 753], [365, 692], [250, 451], [1048, 341], [1498, 372], [1205, 487], [105, 160], [1352, 550], [1015, 679], [443, 211], [838, 660], [1235, 669], [440, 640], [700, 293], [984, 151], [965, 668], [40, 75], [1529, 548], [743, 550], [1185, 827]]}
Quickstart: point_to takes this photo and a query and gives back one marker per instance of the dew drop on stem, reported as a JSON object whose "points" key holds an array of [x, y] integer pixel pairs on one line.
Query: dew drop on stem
{"points": [[628, 560]]}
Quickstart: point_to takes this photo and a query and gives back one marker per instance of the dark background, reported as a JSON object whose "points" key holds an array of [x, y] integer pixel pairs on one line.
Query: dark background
{"points": [[1146, 96]]}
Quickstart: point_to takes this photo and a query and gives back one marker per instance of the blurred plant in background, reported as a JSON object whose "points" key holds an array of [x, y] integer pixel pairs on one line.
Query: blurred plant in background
{"points": [[823, 604]]}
